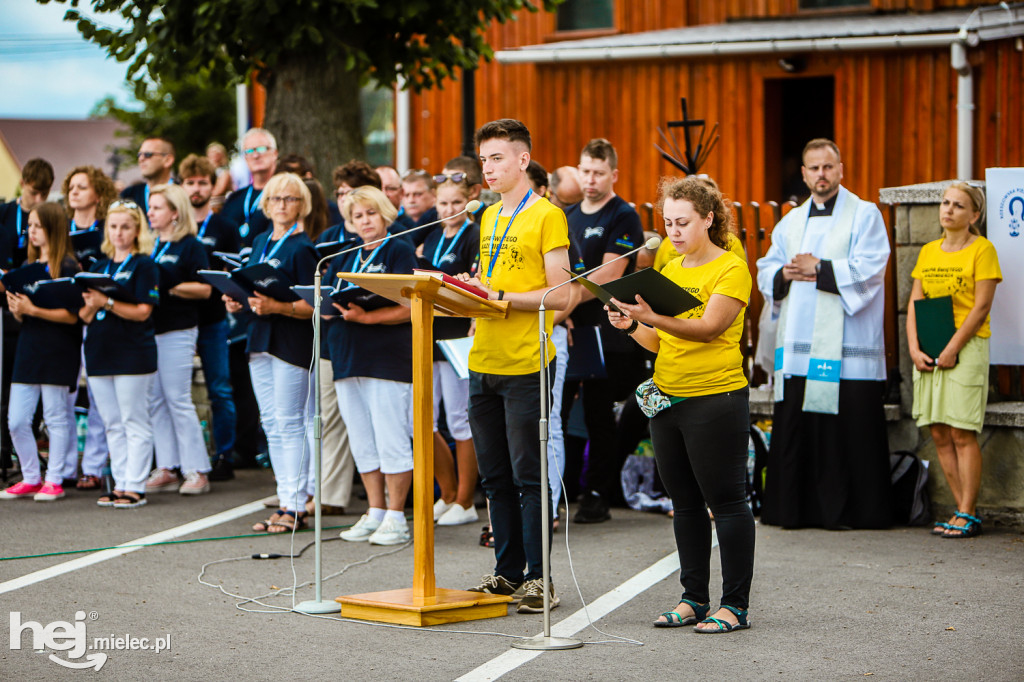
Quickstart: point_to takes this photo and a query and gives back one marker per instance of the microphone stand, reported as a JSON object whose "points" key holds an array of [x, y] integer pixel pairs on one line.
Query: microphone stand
{"points": [[545, 642], [317, 605]]}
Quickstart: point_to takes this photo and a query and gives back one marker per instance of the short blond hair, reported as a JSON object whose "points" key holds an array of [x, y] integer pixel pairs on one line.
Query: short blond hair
{"points": [[368, 195], [286, 181], [143, 237], [179, 201]]}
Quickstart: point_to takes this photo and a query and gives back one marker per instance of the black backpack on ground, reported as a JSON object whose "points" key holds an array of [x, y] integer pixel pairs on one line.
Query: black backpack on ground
{"points": [[910, 503]]}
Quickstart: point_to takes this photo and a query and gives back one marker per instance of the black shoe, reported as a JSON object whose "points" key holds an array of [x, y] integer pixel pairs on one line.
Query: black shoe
{"points": [[222, 469], [592, 509]]}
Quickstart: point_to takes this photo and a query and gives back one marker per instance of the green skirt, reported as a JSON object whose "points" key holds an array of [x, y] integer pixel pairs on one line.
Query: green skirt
{"points": [[956, 396]]}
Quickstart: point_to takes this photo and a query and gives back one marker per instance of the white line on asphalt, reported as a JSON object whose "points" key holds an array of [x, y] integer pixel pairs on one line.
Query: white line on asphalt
{"points": [[601, 607], [103, 555]]}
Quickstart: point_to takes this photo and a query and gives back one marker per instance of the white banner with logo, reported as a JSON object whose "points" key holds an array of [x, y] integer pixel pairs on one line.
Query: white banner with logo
{"points": [[1005, 219]]}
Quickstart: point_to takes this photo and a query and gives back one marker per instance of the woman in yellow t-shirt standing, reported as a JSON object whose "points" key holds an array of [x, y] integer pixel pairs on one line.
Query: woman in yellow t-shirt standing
{"points": [[698, 402], [951, 390]]}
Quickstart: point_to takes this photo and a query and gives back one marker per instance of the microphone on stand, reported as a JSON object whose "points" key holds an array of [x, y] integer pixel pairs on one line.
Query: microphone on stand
{"points": [[318, 605], [546, 640]]}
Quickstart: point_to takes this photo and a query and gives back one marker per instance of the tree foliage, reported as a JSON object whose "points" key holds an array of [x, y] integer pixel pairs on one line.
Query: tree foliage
{"points": [[189, 112], [420, 40]]}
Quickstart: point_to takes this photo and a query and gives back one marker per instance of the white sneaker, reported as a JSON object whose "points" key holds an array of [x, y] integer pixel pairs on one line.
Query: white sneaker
{"points": [[361, 531], [440, 507], [391, 532], [458, 515]]}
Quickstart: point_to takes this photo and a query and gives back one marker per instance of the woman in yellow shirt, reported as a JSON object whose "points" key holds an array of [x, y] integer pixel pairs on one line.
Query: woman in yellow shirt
{"points": [[951, 390], [698, 403]]}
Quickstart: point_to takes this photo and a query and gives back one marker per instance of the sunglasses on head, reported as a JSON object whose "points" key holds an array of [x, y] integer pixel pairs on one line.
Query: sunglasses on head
{"points": [[455, 177], [123, 203]]}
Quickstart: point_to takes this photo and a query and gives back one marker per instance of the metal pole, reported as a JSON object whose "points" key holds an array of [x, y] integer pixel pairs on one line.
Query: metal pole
{"points": [[317, 605], [545, 642]]}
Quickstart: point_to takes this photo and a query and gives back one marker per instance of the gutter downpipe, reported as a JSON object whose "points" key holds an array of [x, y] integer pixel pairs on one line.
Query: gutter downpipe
{"points": [[964, 108], [403, 127]]}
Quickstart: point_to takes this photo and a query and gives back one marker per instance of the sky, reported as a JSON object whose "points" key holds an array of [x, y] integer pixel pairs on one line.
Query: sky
{"points": [[47, 70]]}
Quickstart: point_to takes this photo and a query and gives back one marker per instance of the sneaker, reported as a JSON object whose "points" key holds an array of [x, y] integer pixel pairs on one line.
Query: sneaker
{"points": [[222, 469], [49, 492], [592, 509], [195, 484], [440, 507], [361, 531], [458, 515], [496, 584], [162, 481], [533, 597], [20, 490], [391, 532]]}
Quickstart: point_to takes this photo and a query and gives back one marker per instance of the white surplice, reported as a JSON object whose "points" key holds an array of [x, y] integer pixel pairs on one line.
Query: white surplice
{"points": [[859, 278]]}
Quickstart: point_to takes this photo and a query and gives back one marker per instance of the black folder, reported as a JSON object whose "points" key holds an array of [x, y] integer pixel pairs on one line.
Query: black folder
{"points": [[267, 280], [586, 355], [935, 326], [55, 294], [307, 294], [106, 285], [16, 279], [223, 283], [86, 245], [367, 300], [663, 295]]}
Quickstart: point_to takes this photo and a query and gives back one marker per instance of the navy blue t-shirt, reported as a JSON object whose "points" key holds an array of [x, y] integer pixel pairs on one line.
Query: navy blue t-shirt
{"points": [[616, 229], [216, 234], [114, 345], [242, 207], [451, 255], [13, 235], [380, 351], [49, 352], [136, 193], [179, 262], [87, 245], [286, 338]]}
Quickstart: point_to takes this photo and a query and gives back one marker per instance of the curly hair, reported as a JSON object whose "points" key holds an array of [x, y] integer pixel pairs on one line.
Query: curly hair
{"points": [[101, 184], [704, 195]]}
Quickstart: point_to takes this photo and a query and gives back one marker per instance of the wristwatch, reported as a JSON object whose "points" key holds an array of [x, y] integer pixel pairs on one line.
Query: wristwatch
{"points": [[109, 305], [631, 328]]}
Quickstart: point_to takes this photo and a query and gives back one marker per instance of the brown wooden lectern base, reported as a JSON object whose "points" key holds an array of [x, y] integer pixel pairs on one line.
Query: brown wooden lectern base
{"points": [[400, 606]]}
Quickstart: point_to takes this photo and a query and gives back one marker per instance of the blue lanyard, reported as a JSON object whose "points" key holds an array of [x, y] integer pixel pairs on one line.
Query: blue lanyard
{"points": [[22, 239], [117, 272], [265, 256], [363, 264], [145, 200], [206, 221], [494, 254], [158, 253], [438, 256], [247, 207], [74, 228]]}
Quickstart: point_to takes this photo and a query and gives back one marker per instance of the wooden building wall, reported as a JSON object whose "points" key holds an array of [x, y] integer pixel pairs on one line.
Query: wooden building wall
{"points": [[895, 112]]}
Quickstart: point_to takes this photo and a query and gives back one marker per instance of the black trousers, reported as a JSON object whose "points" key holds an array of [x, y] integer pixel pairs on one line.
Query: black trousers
{"points": [[700, 445]]}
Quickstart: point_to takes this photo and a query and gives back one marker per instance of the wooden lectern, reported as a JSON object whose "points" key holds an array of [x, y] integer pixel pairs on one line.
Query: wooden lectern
{"points": [[424, 603]]}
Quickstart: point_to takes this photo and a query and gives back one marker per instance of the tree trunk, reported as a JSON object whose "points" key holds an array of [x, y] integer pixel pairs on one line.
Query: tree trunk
{"points": [[313, 109]]}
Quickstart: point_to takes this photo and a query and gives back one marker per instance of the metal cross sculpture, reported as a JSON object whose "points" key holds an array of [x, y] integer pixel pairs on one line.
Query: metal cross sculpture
{"points": [[694, 156]]}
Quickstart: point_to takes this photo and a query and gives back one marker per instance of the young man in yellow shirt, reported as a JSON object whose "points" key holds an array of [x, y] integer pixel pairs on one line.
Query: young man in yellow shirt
{"points": [[523, 252]]}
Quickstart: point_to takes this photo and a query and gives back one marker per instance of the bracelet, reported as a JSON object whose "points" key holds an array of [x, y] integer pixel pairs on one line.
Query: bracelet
{"points": [[501, 294], [628, 331]]}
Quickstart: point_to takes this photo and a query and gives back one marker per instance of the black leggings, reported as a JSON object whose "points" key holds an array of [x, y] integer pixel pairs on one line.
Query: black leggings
{"points": [[701, 448]]}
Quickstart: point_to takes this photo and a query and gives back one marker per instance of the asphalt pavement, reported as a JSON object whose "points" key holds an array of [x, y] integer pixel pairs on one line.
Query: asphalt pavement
{"points": [[896, 604]]}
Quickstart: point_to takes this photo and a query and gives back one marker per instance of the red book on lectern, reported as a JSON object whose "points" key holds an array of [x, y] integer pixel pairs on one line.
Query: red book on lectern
{"points": [[448, 279]]}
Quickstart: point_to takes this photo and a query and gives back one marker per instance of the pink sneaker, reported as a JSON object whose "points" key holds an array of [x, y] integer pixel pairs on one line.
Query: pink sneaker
{"points": [[162, 481], [20, 490], [49, 492], [195, 484]]}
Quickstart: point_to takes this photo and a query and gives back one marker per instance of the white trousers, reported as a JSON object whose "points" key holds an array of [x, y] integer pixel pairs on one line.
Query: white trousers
{"points": [[556, 441], [378, 414], [176, 430], [455, 392], [22, 409], [283, 395], [123, 404], [94, 457]]}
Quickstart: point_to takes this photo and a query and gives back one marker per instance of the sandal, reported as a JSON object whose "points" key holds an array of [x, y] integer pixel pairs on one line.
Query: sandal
{"points": [[969, 530], [109, 499], [940, 528], [88, 482], [724, 625], [287, 522], [130, 500], [264, 526], [673, 619]]}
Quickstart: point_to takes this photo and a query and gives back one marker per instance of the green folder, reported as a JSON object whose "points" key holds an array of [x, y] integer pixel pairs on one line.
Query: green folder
{"points": [[935, 327]]}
